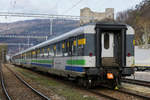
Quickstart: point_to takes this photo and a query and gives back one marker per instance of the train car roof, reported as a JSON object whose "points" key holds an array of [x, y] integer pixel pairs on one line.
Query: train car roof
{"points": [[110, 25]]}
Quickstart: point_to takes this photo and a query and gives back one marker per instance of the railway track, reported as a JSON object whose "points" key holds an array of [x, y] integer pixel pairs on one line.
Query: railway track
{"points": [[123, 92], [137, 82], [103, 95], [3, 84], [36, 92], [111, 97], [127, 92], [135, 94]]}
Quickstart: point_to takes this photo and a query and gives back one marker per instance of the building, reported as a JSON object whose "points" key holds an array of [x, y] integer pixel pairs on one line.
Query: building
{"points": [[88, 16]]}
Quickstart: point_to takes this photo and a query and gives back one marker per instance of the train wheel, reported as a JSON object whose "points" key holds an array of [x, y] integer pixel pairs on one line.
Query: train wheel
{"points": [[80, 81], [85, 83]]}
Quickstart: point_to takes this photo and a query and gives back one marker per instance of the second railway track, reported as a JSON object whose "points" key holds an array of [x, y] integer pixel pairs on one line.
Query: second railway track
{"points": [[16, 88], [119, 94], [137, 82]]}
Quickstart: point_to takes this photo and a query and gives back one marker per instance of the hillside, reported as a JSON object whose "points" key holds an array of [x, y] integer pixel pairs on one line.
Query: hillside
{"points": [[36, 27], [139, 18]]}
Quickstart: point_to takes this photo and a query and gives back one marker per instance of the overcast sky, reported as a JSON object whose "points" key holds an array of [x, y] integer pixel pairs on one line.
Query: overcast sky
{"points": [[61, 7]]}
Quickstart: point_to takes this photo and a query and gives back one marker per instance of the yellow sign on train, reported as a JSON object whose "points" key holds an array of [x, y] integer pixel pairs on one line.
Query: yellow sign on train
{"points": [[134, 42], [33, 52], [63, 45], [55, 47], [82, 41], [48, 49], [74, 42], [67, 44]]}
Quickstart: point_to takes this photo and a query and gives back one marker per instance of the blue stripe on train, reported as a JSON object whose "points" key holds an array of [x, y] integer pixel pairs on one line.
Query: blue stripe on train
{"points": [[74, 68], [44, 65]]}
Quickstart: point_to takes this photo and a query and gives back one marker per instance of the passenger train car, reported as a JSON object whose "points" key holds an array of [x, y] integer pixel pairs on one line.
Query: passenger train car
{"points": [[94, 54]]}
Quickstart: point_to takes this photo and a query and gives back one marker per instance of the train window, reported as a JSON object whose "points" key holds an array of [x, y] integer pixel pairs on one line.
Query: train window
{"points": [[30, 55], [42, 52], [48, 51], [106, 40], [59, 49], [80, 45], [66, 48], [45, 52], [27, 55], [33, 54], [74, 46], [69, 44], [54, 50], [38, 53], [63, 47]]}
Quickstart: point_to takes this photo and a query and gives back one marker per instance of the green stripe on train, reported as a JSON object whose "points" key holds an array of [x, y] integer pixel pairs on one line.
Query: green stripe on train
{"points": [[76, 62], [42, 61], [22, 60]]}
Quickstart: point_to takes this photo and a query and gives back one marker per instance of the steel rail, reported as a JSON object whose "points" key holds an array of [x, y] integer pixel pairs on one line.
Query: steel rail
{"points": [[135, 94], [24, 82], [102, 95], [3, 84], [131, 93], [136, 82]]}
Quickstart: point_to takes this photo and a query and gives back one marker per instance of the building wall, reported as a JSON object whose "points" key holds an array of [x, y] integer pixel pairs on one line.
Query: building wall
{"points": [[88, 16]]}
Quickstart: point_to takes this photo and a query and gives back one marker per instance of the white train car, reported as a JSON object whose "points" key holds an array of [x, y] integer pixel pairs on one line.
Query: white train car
{"points": [[92, 54]]}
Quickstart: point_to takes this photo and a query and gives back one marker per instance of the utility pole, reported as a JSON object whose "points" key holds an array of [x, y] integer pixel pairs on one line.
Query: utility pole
{"points": [[51, 27], [19, 47], [28, 42], [46, 37]]}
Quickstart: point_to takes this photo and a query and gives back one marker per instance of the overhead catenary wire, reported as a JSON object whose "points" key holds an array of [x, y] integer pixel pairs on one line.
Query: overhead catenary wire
{"points": [[73, 6]]}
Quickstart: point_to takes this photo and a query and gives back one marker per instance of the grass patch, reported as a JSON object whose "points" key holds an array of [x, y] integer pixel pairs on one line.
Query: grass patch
{"points": [[59, 88]]}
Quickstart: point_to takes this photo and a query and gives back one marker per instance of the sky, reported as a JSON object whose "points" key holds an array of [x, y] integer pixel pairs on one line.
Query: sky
{"points": [[61, 7]]}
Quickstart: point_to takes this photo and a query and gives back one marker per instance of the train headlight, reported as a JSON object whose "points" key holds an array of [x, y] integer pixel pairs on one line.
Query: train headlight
{"points": [[110, 76]]}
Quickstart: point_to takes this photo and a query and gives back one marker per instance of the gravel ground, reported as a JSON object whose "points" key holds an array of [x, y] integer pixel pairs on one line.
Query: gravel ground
{"points": [[137, 88], [16, 89], [118, 95], [145, 76]]}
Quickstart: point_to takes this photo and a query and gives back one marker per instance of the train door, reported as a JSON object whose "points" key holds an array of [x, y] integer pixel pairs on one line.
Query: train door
{"points": [[110, 45], [111, 48], [107, 44]]}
